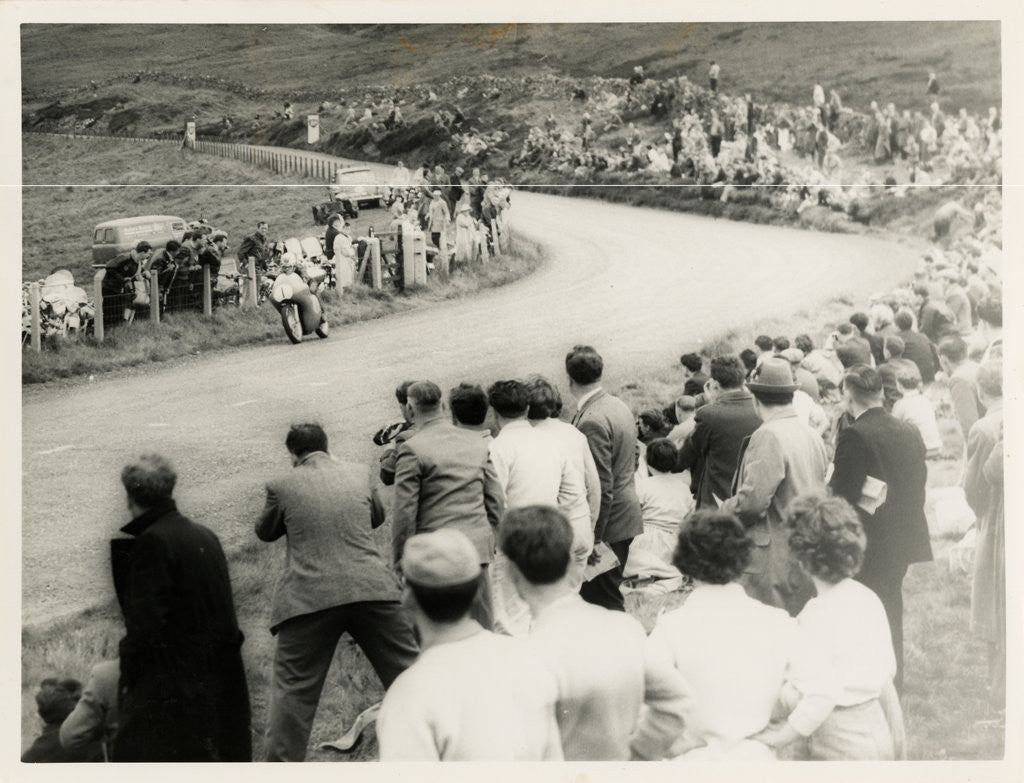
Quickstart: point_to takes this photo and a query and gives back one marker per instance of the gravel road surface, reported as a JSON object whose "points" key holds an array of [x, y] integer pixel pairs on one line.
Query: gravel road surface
{"points": [[641, 285]]}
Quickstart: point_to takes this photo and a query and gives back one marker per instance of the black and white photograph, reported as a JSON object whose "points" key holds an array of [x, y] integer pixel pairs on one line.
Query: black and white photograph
{"points": [[401, 384]]}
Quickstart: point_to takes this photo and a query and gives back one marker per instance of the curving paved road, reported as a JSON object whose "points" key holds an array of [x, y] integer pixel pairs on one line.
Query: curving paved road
{"points": [[640, 285]]}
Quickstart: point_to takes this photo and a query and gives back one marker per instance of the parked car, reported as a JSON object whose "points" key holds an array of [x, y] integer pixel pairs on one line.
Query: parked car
{"points": [[113, 237]]}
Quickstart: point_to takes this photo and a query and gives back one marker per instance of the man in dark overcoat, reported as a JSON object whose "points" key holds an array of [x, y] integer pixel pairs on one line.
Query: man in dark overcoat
{"points": [[182, 693], [879, 449]]}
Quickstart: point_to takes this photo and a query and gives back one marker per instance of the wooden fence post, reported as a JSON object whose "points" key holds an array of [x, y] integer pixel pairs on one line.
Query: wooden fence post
{"points": [[442, 253], [207, 291], [253, 290], [97, 294], [34, 300], [495, 238], [154, 297], [375, 274]]}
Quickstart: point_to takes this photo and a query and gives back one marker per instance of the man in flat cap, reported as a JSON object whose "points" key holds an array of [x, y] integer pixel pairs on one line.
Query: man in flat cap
{"points": [[783, 458], [472, 695]]}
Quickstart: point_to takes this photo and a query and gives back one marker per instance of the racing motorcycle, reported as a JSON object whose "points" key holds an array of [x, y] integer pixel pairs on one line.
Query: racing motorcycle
{"points": [[299, 306]]}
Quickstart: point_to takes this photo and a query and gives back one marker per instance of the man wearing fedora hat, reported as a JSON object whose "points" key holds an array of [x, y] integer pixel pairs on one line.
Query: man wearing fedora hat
{"points": [[783, 458], [472, 695]]}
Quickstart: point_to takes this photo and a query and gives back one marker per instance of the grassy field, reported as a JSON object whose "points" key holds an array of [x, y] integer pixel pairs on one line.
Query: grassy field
{"points": [[57, 231], [856, 57]]}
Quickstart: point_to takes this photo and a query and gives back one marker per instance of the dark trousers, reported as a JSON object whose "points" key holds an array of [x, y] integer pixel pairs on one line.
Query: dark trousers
{"points": [[305, 647], [603, 590], [887, 583], [482, 609]]}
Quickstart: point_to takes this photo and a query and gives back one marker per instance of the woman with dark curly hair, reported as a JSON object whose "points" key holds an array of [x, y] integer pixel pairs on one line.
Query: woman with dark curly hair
{"points": [[735, 652], [848, 623]]}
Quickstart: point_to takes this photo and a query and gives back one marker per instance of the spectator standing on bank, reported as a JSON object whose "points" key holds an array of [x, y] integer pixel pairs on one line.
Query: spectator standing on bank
{"points": [[916, 347], [257, 246], [182, 691], [335, 582], [472, 695], [545, 414], [610, 429], [713, 73], [442, 480], [438, 217], [712, 452], [120, 271], [877, 449], [962, 379], [933, 84], [983, 488], [604, 671], [914, 408], [715, 133], [783, 458]]}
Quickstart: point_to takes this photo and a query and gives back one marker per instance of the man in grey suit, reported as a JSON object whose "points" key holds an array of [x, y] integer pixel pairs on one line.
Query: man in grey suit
{"points": [[610, 428], [335, 580], [443, 479]]}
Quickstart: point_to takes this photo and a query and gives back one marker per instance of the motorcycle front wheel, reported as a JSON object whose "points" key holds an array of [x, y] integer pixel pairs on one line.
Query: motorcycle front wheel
{"points": [[291, 322], [323, 329]]}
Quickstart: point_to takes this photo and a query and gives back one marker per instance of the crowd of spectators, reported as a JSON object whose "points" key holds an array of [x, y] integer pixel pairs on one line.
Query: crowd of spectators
{"points": [[518, 535]]}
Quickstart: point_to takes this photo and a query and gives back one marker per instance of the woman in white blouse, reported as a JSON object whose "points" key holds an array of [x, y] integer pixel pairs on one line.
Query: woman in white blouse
{"points": [[847, 621], [735, 652]]}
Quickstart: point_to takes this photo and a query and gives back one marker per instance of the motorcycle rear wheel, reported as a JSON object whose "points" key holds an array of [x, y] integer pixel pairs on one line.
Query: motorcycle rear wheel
{"points": [[323, 329], [291, 322]]}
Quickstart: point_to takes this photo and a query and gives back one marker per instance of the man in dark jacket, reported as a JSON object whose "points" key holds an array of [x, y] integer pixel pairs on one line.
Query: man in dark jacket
{"points": [[119, 271], [256, 245], [916, 347], [610, 429], [182, 691], [878, 448], [712, 450]]}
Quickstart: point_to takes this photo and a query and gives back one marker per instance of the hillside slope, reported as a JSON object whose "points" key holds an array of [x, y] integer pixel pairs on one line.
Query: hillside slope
{"points": [[887, 61]]}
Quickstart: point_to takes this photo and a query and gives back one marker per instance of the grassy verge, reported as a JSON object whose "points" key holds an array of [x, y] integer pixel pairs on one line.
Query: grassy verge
{"points": [[112, 179], [184, 334]]}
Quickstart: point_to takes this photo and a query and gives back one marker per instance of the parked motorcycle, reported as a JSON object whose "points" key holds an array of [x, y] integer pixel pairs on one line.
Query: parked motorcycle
{"points": [[300, 308]]}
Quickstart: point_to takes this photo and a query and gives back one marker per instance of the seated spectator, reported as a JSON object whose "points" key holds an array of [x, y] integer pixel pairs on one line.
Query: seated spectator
{"points": [[916, 346], [55, 700], [650, 425], [851, 348], [846, 620], [990, 327], [934, 318], [860, 320], [693, 375], [806, 380], [892, 352], [780, 344], [684, 407], [665, 499], [94, 718], [765, 347], [397, 433], [710, 638], [822, 363], [750, 359], [913, 407]]}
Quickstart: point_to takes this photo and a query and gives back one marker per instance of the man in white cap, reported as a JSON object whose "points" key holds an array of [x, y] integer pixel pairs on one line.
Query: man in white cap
{"points": [[606, 674], [783, 458], [472, 695]]}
